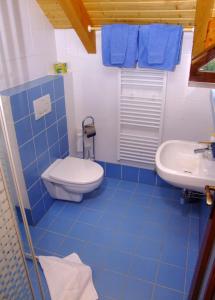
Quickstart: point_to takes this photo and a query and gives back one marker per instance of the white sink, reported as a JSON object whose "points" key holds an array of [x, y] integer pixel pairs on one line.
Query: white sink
{"points": [[177, 164]]}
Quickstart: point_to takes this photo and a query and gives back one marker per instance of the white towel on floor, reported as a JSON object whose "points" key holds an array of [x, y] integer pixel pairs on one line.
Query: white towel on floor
{"points": [[68, 278]]}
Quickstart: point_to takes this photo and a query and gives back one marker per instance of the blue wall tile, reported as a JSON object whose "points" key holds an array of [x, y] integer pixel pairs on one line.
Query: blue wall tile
{"points": [[54, 152], [43, 162], [163, 183], [147, 176], [135, 174], [27, 213], [33, 94], [60, 108], [48, 88], [50, 118], [41, 144], [52, 134], [64, 146], [27, 153], [23, 131], [48, 201], [62, 127], [58, 88], [41, 141], [19, 105], [38, 211], [37, 125], [35, 193], [130, 173], [113, 170], [31, 174]]}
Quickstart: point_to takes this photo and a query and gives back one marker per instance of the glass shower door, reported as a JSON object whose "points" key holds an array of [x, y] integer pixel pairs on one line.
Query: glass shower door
{"points": [[14, 279]]}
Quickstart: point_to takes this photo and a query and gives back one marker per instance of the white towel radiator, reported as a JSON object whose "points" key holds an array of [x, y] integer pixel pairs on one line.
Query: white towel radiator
{"points": [[141, 107]]}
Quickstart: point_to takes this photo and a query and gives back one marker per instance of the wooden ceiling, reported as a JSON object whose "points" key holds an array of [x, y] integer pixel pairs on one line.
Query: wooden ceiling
{"points": [[126, 11], [78, 14]]}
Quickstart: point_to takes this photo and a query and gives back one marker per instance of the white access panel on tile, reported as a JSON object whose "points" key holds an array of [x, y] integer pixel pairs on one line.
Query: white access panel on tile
{"points": [[42, 106]]}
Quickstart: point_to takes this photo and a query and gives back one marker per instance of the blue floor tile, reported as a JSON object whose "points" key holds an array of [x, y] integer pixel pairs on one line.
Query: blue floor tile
{"points": [[174, 255], [127, 185], [188, 280], [118, 262], [71, 210], [161, 293], [117, 208], [50, 242], [192, 259], [194, 241], [141, 199], [110, 221], [153, 231], [110, 182], [94, 255], [60, 227], [103, 237], [36, 233], [71, 245], [46, 220], [122, 196], [143, 268], [149, 248], [144, 189], [138, 289], [111, 285], [136, 211], [135, 237], [82, 231], [163, 192], [176, 236], [90, 216], [194, 225], [134, 227], [125, 242], [57, 207], [171, 277]]}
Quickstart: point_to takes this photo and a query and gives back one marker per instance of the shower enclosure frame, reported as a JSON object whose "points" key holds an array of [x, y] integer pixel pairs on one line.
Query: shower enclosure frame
{"points": [[20, 203]]}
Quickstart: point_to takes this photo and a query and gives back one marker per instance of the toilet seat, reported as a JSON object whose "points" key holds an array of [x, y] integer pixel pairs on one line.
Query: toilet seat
{"points": [[78, 171]]}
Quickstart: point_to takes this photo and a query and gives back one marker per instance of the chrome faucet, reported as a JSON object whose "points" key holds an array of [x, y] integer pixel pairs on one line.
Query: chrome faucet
{"points": [[202, 150]]}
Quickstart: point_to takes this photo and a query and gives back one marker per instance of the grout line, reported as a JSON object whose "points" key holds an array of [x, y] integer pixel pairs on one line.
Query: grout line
{"points": [[42, 131]]}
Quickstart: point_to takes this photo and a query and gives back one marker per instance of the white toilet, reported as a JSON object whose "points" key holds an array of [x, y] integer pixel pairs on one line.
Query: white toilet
{"points": [[71, 177]]}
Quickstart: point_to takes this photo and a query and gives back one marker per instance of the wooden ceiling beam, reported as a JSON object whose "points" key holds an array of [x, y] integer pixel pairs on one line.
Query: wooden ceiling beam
{"points": [[204, 10], [79, 19]]}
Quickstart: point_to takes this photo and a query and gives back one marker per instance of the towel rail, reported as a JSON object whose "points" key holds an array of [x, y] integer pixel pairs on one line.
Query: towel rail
{"points": [[98, 28], [142, 97]]}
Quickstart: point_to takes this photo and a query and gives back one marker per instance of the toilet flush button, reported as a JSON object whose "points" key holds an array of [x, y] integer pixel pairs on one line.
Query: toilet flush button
{"points": [[42, 106]]}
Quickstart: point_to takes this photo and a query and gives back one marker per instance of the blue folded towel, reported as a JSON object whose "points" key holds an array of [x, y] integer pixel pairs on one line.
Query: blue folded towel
{"points": [[169, 44], [120, 49], [118, 43], [158, 39], [132, 47], [106, 34]]}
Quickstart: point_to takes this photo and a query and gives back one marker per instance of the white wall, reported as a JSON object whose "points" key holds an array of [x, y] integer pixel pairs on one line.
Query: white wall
{"points": [[95, 91], [188, 113], [27, 42]]}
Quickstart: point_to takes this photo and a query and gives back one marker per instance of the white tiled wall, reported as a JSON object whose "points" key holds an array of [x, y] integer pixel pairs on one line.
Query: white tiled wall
{"points": [[27, 42], [95, 91]]}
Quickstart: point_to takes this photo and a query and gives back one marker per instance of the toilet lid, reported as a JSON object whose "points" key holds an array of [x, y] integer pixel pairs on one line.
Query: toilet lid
{"points": [[77, 170]]}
